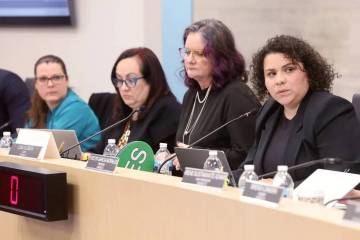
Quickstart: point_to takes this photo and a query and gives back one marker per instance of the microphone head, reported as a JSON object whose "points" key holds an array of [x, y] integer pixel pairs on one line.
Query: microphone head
{"points": [[334, 160]]}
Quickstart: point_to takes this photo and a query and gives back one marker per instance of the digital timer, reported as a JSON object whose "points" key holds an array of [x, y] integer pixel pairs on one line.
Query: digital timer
{"points": [[33, 192]]}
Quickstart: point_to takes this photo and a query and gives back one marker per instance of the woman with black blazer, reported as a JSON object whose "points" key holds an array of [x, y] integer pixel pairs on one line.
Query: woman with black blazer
{"points": [[300, 121]]}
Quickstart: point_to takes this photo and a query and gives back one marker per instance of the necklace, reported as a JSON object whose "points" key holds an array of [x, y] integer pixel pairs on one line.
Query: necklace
{"points": [[188, 129], [125, 136]]}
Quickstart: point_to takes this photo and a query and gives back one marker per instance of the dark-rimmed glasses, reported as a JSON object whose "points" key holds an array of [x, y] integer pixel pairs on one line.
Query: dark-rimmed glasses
{"points": [[129, 82], [186, 52], [54, 79]]}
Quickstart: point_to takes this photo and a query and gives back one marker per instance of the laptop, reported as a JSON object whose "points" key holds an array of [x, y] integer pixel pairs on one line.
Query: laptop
{"points": [[195, 158], [65, 139]]}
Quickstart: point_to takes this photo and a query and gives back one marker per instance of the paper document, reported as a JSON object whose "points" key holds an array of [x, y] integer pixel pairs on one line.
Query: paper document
{"points": [[333, 184]]}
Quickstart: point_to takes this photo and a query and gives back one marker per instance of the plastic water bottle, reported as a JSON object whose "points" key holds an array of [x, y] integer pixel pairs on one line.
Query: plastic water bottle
{"points": [[284, 180], [111, 149], [213, 162], [6, 141], [160, 156], [248, 175]]}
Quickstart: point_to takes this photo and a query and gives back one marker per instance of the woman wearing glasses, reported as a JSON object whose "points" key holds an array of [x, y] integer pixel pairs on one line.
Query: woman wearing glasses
{"points": [[56, 106], [215, 73], [140, 82]]}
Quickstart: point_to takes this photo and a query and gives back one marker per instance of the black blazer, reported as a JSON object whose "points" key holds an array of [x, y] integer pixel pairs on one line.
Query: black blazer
{"points": [[159, 125], [326, 127]]}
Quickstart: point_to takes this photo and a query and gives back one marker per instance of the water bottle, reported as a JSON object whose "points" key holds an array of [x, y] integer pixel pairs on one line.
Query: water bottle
{"points": [[284, 180], [248, 175], [160, 156], [6, 141], [213, 162], [111, 149]]}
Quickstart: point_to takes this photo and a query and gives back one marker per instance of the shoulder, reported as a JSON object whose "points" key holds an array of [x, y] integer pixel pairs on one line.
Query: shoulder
{"points": [[238, 90], [167, 104], [6, 75], [11, 80], [324, 103], [74, 104]]}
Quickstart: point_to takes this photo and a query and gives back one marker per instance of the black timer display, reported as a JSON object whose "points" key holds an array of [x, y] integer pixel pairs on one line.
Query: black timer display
{"points": [[33, 192]]}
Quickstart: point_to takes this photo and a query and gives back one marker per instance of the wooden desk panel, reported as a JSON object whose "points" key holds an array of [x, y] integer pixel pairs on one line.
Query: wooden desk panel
{"points": [[139, 205]]}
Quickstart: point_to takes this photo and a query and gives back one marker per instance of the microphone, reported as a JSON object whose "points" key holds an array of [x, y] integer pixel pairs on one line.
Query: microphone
{"points": [[341, 199], [244, 115], [331, 161], [141, 109], [5, 125]]}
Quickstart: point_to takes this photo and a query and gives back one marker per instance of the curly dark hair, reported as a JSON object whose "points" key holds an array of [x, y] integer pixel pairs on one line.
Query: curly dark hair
{"points": [[319, 72], [229, 64]]}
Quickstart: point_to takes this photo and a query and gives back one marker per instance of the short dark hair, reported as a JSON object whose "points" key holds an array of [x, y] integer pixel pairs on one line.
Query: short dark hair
{"points": [[229, 64], [319, 72], [153, 74]]}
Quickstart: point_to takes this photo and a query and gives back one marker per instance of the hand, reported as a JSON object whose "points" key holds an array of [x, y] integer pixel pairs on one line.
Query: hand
{"points": [[176, 163], [182, 145], [353, 193]]}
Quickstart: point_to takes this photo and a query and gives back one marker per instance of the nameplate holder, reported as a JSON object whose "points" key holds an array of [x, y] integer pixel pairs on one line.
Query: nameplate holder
{"points": [[22, 150], [204, 177], [102, 163], [352, 213], [33, 138], [263, 192]]}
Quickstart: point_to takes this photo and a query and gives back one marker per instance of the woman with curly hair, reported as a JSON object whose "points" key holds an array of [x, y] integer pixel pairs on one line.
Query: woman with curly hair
{"points": [[300, 120]]}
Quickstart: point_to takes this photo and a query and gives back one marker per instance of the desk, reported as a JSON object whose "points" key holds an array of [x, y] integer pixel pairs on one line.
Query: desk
{"points": [[126, 205]]}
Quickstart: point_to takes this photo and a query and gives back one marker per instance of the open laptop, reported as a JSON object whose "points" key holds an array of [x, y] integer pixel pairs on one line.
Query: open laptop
{"points": [[195, 158], [65, 139]]}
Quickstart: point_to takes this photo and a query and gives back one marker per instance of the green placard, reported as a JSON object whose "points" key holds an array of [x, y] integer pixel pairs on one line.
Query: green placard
{"points": [[137, 155]]}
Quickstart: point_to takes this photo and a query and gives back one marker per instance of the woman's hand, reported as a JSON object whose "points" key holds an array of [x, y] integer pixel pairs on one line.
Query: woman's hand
{"points": [[176, 160]]}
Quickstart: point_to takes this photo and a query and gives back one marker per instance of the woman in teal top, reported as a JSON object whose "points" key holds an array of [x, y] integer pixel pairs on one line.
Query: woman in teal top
{"points": [[56, 106]]}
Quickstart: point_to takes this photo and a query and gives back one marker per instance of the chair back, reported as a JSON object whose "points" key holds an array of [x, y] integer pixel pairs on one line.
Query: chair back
{"points": [[102, 105]]}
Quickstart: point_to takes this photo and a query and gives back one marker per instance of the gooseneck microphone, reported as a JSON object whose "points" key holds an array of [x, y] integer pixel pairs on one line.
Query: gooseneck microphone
{"points": [[244, 115], [341, 199], [5, 125], [331, 161], [141, 109]]}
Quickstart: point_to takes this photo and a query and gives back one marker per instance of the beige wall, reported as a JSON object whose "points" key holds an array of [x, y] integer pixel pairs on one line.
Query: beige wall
{"points": [[103, 29], [331, 26]]}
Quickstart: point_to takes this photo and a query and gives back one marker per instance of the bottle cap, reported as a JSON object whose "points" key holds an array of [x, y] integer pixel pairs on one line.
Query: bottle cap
{"points": [[6, 133], [163, 145], [249, 167], [111, 141], [212, 153], [282, 168]]}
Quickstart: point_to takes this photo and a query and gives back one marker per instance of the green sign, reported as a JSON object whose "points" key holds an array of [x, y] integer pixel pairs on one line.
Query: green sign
{"points": [[137, 155]]}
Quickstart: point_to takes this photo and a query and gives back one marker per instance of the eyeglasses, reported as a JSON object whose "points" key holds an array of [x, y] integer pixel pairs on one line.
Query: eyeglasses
{"points": [[54, 79], [129, 82], [186, 52]]}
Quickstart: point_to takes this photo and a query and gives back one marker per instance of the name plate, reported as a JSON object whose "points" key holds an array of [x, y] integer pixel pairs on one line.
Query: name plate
{"points": [[204, 177], [25, 150], [353, 212], [263, 192], [102, 163]]}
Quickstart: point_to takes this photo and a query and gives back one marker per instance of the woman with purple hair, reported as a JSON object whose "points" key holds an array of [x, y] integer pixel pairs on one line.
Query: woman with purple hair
{"points": [[215, 73]]}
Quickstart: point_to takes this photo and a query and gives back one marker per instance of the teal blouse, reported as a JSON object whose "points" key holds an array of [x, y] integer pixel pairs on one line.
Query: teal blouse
{"points": [[74, 113]]}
